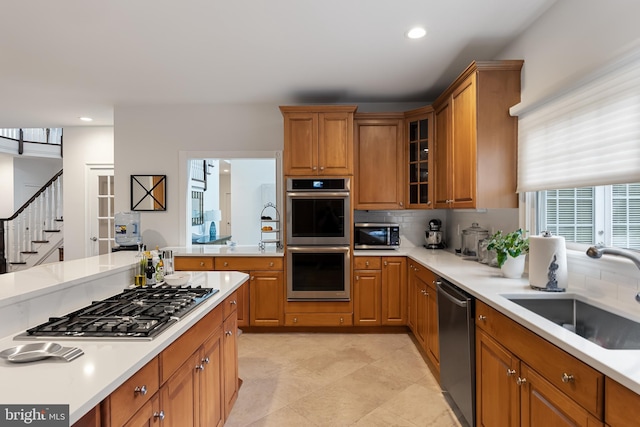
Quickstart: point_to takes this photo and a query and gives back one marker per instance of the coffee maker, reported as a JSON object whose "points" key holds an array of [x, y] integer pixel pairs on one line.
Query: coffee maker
{"points": [[434, 236]]}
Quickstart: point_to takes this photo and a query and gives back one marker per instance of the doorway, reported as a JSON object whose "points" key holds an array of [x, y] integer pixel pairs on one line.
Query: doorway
{"points": [[100, 221]]}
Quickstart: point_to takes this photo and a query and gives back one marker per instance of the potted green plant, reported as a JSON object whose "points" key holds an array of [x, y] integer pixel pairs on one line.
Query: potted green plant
{"points": [[511, 250]]}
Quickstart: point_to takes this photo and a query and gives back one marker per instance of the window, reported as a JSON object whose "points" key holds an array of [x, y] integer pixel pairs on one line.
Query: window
{"points": [[608, 215]]}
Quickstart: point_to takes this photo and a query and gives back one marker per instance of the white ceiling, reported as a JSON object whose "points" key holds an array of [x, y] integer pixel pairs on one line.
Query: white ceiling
{"points": [[63, 59]]}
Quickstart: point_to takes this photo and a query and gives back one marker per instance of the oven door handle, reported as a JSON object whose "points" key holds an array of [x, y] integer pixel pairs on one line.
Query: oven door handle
{"points": [[318, 249], [319, 194]]}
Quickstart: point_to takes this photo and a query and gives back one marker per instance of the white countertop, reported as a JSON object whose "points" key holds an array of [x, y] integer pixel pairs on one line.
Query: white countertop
{"points": [[106, 364], [225, 250], [487, 284]]}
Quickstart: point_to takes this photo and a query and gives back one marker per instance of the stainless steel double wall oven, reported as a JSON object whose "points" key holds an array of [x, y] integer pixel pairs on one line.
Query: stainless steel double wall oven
{"points": [[318, 239]]}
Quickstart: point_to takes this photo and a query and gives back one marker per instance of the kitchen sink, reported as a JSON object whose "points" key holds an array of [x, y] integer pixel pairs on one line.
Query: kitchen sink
{"points": [[595, 324]]}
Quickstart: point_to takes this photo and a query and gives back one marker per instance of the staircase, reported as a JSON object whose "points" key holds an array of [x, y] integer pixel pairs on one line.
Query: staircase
{"points": [[33, 235]]}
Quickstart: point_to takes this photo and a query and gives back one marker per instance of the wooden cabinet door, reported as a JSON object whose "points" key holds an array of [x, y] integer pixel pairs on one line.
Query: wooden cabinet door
{"points": [[379, 152], [463, 138], [394, 291], [421, 312], [366, 298], [497, 394], [230, 362], [414, 294], [432, 340], [178, 395], [266, 289], [621, 405], [335, 143], [243, 305], [147, 416], [210, 398], [418, 145], [442, 156], [541, 404], [300, 143]]}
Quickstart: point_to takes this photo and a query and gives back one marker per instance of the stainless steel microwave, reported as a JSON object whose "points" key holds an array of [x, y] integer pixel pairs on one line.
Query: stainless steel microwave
{"points": [[369, 235]]}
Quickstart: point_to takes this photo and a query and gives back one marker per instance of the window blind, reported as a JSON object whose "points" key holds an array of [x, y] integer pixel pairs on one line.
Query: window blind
{"points": [[587, 136], [570, 213]]}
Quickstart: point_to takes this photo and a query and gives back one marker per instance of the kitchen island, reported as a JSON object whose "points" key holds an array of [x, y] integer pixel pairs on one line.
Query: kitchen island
{"points": [[30, 297]]}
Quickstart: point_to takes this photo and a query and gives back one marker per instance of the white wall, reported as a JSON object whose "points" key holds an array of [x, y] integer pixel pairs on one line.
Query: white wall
{"points": [[30, 174], [247, 178], [82, 146], [570, 40], [149, 139], [6, 186]]}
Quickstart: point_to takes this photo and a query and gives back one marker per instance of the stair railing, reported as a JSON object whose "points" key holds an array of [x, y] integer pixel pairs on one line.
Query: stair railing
{"points": [[29, 225]]}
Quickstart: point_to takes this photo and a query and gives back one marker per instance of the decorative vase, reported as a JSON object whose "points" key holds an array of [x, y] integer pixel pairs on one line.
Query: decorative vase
{"points": [[513, 267]]}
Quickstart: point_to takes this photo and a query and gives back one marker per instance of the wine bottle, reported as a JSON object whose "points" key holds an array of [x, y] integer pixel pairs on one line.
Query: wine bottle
{"points": [[160, 269], [150, 273]]}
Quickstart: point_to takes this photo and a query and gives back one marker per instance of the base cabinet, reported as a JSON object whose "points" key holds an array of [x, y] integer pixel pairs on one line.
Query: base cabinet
{"points": [[517, 386], [380, 291], [193, 382], [621, 405], [423, 312]]}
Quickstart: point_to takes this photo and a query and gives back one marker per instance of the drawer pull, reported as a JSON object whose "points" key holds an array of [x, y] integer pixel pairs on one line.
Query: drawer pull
{"points": [[511, 372], [140, 390], [205, 360], [521, 381], [159, 415], [482, 317], [567, 378], [341, 320], [226, 264], [366, 263], [233, 302], [200, 367], [271, 264], [295, 320], [253, 277], [386, 263], [357, 277], [228, 333], [201, 265]]}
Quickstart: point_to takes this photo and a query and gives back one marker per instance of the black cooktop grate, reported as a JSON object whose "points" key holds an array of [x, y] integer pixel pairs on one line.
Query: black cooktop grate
{"points": [[134, 313]]}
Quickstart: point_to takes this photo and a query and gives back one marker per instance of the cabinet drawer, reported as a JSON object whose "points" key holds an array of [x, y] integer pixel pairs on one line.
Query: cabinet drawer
{"points": [[622, 406], [193, 263], [250, 263], [318, 319], [367, 263], [585, 385], [230, 305], [424, 274], [130, 396], [182, 348]]}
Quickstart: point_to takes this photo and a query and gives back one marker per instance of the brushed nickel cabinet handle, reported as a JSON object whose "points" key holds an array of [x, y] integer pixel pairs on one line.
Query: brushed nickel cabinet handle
{"points": [[482, 317], [159, 415], [201, 263], [521, 381], [140, 390], [271, 264], [366, 263], [205, 360], [386, 263], [511, 372], [228, 333], [226, 264], [233, 302], [567, 378], [200, 367]]}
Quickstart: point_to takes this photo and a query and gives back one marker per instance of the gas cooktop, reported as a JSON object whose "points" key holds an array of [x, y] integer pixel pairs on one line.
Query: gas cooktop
{"points": [[138, 313]]}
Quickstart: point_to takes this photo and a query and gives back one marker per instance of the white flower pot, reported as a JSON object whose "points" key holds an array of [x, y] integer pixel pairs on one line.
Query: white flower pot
{"points": [[513, 267]]}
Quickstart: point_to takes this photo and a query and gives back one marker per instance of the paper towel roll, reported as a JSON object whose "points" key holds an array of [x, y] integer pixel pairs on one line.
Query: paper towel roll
{"points": [[548, 263]]}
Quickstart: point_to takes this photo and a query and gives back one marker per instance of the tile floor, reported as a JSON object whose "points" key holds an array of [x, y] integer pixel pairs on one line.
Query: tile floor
{"points": [[314, 379]]}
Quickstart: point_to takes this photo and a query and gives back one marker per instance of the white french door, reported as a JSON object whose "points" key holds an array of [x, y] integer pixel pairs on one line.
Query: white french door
{"points": [[100, 220]]}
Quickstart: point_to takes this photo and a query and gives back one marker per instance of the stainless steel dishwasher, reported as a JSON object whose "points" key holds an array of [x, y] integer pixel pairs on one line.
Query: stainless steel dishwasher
{"points": [[456, 332]]}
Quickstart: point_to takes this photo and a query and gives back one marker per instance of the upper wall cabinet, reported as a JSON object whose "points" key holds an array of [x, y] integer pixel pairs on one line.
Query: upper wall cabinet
{"points": [[379, 165], [318, 140], [476, 139], [419, 151]]}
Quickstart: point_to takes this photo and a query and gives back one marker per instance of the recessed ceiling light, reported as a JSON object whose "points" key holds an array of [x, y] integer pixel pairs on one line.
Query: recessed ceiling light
{"points": [[86, 119], [416, 33]]}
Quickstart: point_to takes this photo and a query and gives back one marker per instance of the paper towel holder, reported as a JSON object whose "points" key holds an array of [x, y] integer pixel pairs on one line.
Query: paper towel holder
{"points": [[552, 284]]}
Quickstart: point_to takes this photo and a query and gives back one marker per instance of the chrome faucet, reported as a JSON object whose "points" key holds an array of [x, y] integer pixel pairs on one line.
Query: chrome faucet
{"points": [[598, 251]]}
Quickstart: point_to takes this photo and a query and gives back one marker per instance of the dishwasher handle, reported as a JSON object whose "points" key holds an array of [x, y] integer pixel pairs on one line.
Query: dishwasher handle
{"points": [[445, 290]]}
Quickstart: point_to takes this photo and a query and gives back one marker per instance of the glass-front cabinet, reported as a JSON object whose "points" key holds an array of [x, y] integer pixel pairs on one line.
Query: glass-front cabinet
{"points": [[419, 137]]}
